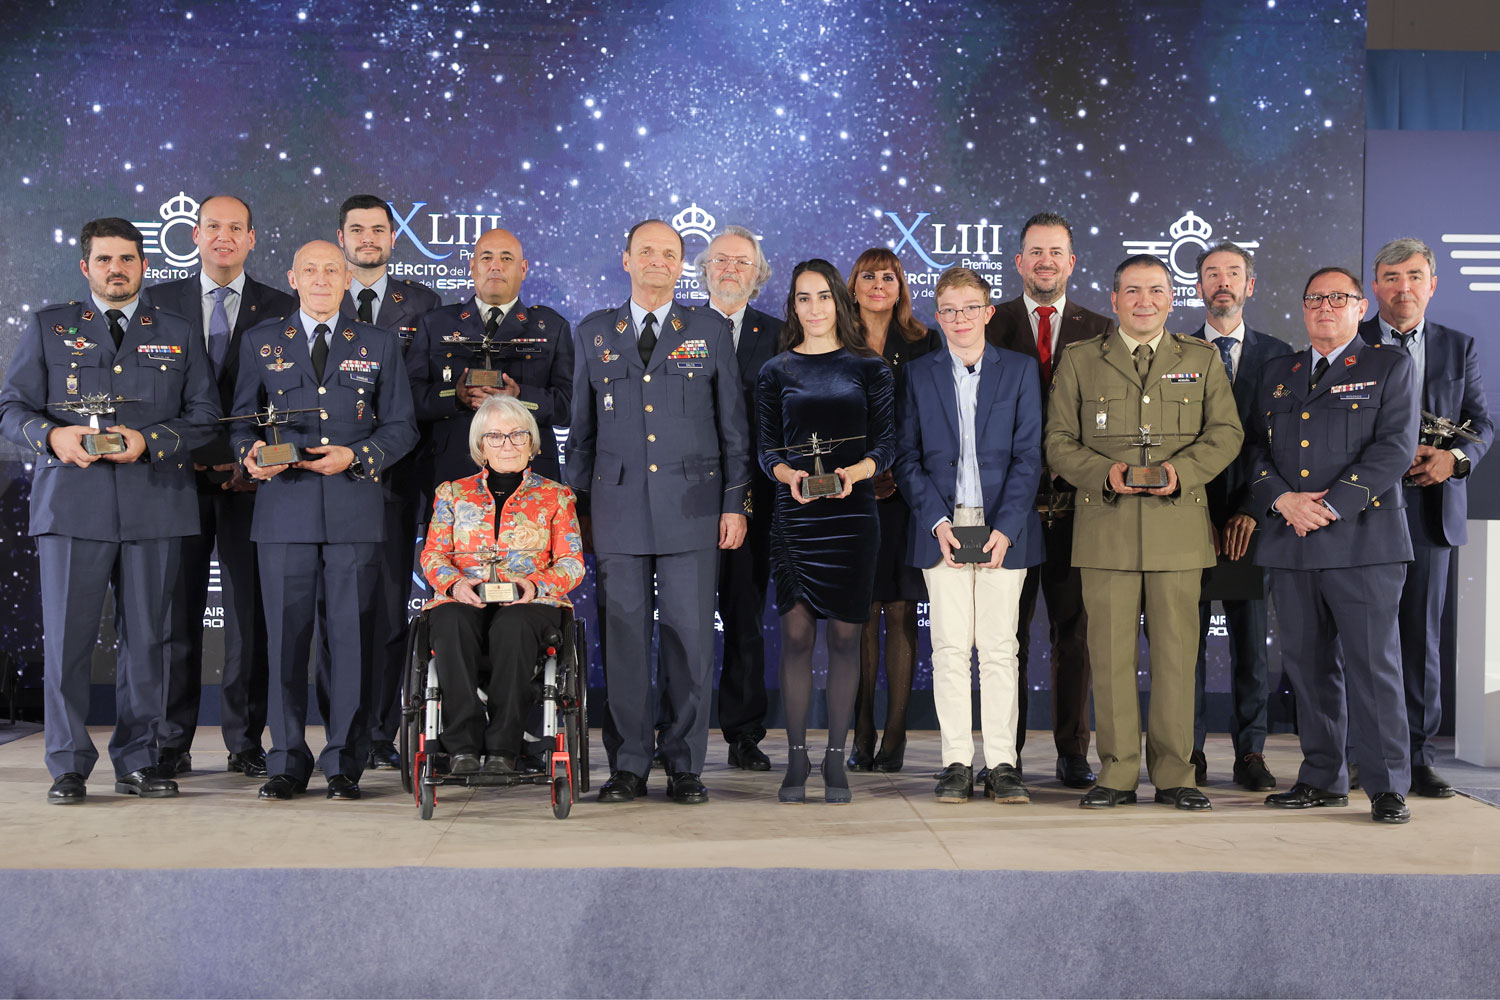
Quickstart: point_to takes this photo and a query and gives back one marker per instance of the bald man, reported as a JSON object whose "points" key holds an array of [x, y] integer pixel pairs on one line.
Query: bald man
{"points": [[318, 521]]}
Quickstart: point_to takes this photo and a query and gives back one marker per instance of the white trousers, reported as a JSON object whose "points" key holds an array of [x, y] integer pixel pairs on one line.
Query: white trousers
{"points": [[972, 608]]}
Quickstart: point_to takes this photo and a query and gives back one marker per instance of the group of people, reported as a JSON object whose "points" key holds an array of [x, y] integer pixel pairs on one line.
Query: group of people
{"points": [[848, 454]]}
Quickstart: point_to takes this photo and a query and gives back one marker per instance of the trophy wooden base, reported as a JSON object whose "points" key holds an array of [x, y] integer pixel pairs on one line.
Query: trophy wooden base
{"points": [[1146, 477], [277, 454], [823, 485], [104, 444], [497, 593], [484, 378]]}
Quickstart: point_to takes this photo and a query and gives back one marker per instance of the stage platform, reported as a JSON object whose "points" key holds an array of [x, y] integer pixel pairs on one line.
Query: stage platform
{"points": [[216, 893]]}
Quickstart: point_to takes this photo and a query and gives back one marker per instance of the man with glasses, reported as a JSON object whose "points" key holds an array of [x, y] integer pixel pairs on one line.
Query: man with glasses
{"points": [[1339, 431]]}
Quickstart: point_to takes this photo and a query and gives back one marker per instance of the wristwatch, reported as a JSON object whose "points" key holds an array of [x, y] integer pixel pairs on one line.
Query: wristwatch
{"points": [[1461, 464]]}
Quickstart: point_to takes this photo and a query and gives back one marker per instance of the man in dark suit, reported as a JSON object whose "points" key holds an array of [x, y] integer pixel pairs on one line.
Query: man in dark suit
{"points": [[1041, 322], [1226, 278], [1338, 432], [1436, 485], [220, 302], [319, 521], [735, 270], [367, 234], [113, 520], [660, 441]]}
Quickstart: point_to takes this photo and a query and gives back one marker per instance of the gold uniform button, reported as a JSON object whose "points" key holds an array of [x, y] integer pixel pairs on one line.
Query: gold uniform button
{"points": [[1305, 415], [1304, 444], [1305, 473], [653, 467], [73, 365], [360, 391], [651, 438], [606, 380], [645, 378], [119, 370], [324, 440], [690, 374], [322, 414], [1145, 399], [1354, 407], [322, 390], [650, 408], [1377, 503], [163, 367]]}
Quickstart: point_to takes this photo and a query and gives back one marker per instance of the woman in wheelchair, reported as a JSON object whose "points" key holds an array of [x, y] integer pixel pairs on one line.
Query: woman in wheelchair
{"points": [[506, 524]]}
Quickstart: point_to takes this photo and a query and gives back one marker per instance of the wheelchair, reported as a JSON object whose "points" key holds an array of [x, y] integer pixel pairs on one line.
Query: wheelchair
{"points": [[562, 669]]}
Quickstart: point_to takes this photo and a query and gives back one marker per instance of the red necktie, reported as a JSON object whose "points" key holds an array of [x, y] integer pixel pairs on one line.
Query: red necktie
{"points": [[1044, 340]]}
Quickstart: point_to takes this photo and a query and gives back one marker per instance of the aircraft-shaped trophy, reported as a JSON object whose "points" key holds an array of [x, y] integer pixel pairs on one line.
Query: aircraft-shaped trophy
{"points": [[1146, 476], [95, 405], [489, 349], [493, 590], [274, 451], [1442, 433], [820, 483]]}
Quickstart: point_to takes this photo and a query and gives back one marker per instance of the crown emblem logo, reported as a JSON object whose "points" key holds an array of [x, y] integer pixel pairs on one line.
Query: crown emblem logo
{"points": [[180, 207], [171, 239], [1191, 225], [1189, 236], [694, 221]]}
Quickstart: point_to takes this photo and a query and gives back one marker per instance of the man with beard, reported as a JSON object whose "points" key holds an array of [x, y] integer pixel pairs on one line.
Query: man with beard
{"points": [[109, 520], [735, 270], [367, 233], [1226, 278], [1041, 322], [221, 302]]}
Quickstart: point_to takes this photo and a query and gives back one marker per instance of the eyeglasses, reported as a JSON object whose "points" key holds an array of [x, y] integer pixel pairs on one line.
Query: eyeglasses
{"points": [[731, 263], [517, 439], [948, 313], [1336, 299]]}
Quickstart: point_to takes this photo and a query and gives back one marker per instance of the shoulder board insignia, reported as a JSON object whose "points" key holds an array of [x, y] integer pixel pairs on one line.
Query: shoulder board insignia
{"points": [[397, 297], [348, 334], [620, 327], [465, 314], [291, 331], [520, 316], [88, 314], [676, 323], [145, 321], [1349, 362]]}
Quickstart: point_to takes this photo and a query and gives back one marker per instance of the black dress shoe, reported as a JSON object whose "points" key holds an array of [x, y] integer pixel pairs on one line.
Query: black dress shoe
{"points": [[861, 760], [1200, 767], [67, 790], [744, 754], [1074, 772], [955, 784], [282, 787], [499, 763], [1100, 797], [383, 756], [1251, 773], [146, 782], [1184, 797], [251, 763], [622, 786], [684, 787], [460, 764], [341, 786], [171, 763], [1389, 807], [1426, 782], [1003, 784], [1304, 796]]}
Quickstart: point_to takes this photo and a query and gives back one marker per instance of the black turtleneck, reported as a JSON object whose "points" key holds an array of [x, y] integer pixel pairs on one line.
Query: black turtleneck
{"points": [[502, 485]]}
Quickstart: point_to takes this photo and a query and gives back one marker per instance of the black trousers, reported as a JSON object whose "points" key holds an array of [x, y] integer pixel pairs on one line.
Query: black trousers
{"points": [[1061, 584], [744, 576], [511, 636]]}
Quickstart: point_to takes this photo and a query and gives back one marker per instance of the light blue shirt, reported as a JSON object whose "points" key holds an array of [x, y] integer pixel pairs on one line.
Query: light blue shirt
{"points": [[1418, 349], [966, 383], [1337, 353], [128, 309], [355, 287], [310, 324], [638, 316]]}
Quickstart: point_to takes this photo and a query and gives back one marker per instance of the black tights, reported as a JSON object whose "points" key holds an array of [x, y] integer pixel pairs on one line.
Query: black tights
{"points": [[900, 662], [799, 630]]}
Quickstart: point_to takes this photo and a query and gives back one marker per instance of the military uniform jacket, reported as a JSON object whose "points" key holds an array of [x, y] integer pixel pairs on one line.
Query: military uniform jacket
{"points": [[363, 402], [663, 448], [1097, 408], [543, 370], [1353, 436], [66, 354]]}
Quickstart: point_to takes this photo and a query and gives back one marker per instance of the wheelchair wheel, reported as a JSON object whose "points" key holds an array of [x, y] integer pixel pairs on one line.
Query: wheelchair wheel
{"points": [[426, 791], [411, 700], [411, 727], [562, 796], [579, 748]]}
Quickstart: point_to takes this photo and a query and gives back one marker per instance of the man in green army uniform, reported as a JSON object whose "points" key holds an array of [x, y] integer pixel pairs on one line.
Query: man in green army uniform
{"points": [[1142, 534]]}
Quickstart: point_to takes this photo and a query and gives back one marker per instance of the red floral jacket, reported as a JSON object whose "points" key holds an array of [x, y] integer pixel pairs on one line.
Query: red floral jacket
{"points": [[539, 537]]}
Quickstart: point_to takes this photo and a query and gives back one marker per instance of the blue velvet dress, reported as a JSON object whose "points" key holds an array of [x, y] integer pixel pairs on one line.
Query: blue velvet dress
{"points": [[823, 553]]}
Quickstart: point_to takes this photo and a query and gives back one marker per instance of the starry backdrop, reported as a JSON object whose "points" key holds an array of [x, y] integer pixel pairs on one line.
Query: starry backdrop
{"points": [[930, 127]]}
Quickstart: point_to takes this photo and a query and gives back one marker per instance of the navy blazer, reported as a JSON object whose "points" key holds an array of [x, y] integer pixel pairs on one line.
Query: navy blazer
{"points": [[760, 341], [663, 449], [1354, 436], [1229, 492], [365, 403], [1008, 441], [258, 302], [161, 364], [1452, 388]]}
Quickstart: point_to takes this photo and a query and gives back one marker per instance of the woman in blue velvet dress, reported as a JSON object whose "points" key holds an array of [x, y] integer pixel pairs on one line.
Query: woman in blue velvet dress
{"points": [[827, 382]]}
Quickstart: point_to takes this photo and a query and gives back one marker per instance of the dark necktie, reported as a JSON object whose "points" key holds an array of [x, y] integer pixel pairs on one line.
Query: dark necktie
{"points": [[218, 330], [1405, 339], [367, 305], [492, 322], [1225, 345], [1317, 372], [320, 349], [1044, 340], [1143, 362], [116, 327], [647, 343]]}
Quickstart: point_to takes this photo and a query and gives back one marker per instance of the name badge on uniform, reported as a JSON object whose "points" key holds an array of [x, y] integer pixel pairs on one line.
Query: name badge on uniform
{"points": [[1101, 420], [73, 385], [447, 374], [609, 402], [1177, 378]]}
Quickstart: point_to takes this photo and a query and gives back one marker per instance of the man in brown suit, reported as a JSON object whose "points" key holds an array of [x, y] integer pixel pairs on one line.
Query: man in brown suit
{"points": [[1041, 322], [1135, 542]]}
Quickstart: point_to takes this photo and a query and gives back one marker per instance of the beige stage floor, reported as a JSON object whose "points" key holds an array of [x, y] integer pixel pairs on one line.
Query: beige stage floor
{"points": [[217, 822]]}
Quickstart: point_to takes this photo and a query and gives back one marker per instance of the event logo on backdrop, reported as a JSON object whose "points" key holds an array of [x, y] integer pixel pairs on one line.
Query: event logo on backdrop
{"points": [[941, 245], [1187, 238], [1466, 252], [169, 238]]}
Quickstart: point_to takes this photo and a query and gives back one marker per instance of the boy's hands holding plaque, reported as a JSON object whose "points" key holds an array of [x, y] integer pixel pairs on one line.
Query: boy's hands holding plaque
{"points": [[971, 544]]}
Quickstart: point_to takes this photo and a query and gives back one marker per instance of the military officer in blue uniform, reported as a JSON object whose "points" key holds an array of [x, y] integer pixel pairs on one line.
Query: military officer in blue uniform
{"points": [[113, 521], [319, 522], [659, 441], [1339, 431], [220, 302], [538, 368], [367, 234]]}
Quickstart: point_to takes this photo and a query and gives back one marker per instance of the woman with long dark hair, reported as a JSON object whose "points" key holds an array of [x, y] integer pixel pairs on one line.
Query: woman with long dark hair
{"points": [[878, 285], [826, 382]]}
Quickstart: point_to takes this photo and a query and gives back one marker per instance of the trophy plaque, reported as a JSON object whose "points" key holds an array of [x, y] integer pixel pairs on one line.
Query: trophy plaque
{"points": [[94, 406], [275, 451], [494, 590], [1146, 476], [820, 483], [972, 539]]}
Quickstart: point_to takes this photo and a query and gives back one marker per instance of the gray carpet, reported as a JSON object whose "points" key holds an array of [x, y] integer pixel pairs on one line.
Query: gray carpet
{"points": [[10, 732], [734, 932]]}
